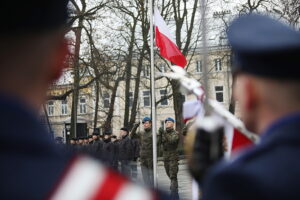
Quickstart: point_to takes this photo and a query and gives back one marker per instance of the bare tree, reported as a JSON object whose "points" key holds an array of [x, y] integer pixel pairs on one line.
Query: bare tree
{"points": [[128, 11], [184, 15], [80, 13], [253, 6], [289, 10]]}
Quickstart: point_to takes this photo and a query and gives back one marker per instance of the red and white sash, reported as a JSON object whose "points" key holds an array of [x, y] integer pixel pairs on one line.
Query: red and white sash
{"points": [[87, 179]]}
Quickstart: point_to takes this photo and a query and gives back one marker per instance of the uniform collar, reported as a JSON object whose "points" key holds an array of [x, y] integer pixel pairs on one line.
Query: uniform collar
{"points": [[286, 122], [20, 127]]}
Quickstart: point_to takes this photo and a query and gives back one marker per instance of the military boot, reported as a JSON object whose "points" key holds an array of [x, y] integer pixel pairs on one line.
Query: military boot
{"points": [[174, 189]]}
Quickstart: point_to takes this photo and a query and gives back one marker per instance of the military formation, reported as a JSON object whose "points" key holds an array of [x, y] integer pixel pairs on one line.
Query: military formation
{"points": [[122, 153], [266, 81]]}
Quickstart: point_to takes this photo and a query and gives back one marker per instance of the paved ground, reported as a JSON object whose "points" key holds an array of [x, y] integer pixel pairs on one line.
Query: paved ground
{"points": [[184, 180]]}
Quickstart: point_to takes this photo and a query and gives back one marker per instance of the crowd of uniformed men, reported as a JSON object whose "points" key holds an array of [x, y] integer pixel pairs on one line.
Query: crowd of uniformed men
{"points": [[123, 152]]}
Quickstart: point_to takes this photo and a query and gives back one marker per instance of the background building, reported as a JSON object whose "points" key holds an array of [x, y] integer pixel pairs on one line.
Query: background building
{"points": [[59, 111]]}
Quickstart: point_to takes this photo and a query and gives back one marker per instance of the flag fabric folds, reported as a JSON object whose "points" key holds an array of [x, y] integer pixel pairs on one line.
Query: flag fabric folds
{"points": [[235, 140], [166, 43]]}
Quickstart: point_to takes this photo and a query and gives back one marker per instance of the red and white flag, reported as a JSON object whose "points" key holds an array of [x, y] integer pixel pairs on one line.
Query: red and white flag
{"points": [[166, 43], [235, 140]]}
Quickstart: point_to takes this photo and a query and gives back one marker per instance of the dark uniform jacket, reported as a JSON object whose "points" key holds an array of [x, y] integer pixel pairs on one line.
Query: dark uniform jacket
{"points": [[96, 148], [31, 164], [107, 152], [126, 151], [136, 148], [115, 155], [271, 170]]}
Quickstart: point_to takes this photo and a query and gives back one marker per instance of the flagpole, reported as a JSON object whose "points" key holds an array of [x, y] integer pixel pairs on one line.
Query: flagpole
{"points": [[205, 54], [153, 108]]}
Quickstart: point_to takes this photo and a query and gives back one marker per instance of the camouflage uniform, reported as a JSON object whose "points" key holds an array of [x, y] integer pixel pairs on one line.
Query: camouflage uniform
{"points": [[169, 139], [146, 155]]}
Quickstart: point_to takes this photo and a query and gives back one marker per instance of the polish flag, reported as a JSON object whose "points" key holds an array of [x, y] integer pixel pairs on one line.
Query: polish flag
{"points": [[236, 141], [166, 43]]}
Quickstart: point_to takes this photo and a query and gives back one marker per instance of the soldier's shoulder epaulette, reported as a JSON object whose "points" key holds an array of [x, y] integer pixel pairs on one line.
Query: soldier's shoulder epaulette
{"points": [[86, 178]]}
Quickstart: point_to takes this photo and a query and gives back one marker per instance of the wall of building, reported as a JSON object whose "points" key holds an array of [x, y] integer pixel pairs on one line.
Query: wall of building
{"points": [[219, 87]]}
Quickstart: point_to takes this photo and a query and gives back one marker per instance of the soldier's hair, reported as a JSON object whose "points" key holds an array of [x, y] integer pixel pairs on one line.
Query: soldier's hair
{"points": [[281, 94]]}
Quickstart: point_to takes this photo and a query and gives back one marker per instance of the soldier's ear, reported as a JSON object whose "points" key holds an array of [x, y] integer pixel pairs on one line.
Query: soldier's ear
{"points": [[244, 92], [60, 59], [250, 94]]}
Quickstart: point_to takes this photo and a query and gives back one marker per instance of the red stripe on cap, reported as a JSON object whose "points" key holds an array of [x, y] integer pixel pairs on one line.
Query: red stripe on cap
{"points": [[110, 187]]}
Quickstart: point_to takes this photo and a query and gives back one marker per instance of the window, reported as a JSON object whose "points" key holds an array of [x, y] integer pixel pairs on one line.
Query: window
{"points": [[64, 107], [82, 105], [163, 96], [130, 99], [50, 108], [146, 71], [218, 65], [162, 68], [219, 94], [106, 99], [199, 66], [146, 98]]}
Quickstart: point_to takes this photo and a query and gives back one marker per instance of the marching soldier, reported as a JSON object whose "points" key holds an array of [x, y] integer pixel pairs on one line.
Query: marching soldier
{"points": [[169, 140], [146, 151]]}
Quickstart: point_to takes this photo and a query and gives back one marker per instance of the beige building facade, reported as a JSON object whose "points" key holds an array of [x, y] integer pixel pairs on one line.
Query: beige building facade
{"points": [[219, 88]]}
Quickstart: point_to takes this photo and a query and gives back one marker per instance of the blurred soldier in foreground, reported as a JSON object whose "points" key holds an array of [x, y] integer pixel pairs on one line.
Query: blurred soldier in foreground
{"points": [[33, 51], [267, 87], [169, 140], [146, 151]]}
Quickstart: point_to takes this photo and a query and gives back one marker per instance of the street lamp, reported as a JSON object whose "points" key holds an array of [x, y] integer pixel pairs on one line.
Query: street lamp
{"points": [[67, 132], [68, 128]]}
